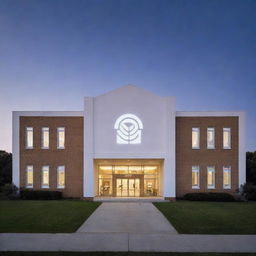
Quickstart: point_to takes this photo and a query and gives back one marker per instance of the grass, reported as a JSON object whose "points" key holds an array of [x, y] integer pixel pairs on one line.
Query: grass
{"points": [[119, 254], [211, 217], [60, 216]]}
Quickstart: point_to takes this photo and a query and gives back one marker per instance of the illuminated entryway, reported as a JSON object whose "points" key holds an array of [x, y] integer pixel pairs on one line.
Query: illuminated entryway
{"points": [[128, 178], [127, 187]]}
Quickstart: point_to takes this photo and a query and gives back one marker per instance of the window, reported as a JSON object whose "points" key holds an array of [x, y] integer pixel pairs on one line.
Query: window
{"points": [[195, 138], [61, 177], [226, 177], [29, 176], [45, 137], [195, 177], [210, 177], [210, 138], [29, 137], [226, 138], [45, 176], [60, 137]]}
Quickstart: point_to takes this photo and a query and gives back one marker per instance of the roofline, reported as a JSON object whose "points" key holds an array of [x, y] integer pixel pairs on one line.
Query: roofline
{"points": [[48, 113], [209, 113]]}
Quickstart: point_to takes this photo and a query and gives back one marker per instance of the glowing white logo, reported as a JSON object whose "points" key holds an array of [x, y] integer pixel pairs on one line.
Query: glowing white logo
{"points": [[128, 129]]}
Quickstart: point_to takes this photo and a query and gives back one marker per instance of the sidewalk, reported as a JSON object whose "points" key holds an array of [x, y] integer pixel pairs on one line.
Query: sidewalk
{"points": [[127, 242]]}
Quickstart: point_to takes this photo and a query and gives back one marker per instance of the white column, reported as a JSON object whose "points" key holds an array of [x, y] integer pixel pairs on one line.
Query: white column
{"points": [[88, 148], [16, 148], [170, 159], [242, 151]]}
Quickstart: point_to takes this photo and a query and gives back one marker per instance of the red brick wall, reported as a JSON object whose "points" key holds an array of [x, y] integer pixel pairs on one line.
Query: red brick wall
{"points": [[186, 157], [71, 156]]}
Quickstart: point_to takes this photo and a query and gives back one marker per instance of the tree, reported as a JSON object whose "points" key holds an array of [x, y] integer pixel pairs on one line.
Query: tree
{"points": [[251, 167], [5, 167]]}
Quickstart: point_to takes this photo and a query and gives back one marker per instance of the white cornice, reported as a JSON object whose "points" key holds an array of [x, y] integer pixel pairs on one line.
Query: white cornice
{"points": [[209, 113]]}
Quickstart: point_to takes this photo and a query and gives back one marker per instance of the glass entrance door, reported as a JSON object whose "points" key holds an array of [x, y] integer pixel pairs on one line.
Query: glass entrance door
{"points": [[127, 187]]}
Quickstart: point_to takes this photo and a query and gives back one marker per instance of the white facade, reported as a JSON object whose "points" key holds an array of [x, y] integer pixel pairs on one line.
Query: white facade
{"points": [[157, 115]]}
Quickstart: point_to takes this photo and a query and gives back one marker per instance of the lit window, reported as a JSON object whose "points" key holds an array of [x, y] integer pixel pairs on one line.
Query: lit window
{"points": [[61, 176], [210, 138], [45, 137], [226, 177], [29, 181], [226, 138], [195, 138], [29, 137], [195, 177], [60, 137], [210, 177], [45, 176]]}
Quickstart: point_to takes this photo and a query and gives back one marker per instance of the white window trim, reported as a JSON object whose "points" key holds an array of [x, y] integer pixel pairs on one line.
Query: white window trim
{"points": [[59, 128], [29, 186], [226, 129], [198, 129], [211, 129], [209, 186], [26, 137], [42, 171], [198, 171], [229, 172], [42, 137], [58, 170]]}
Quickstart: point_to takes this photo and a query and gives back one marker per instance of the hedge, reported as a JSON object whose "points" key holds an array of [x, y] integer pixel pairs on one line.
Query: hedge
{"points": [[28, 194], [211, 196]]}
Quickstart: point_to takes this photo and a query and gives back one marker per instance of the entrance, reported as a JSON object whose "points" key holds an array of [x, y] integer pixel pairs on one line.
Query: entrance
{"points": [[128, 187], [128, 178]]}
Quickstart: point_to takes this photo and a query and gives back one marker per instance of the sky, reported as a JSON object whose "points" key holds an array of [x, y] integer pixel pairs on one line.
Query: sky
{"points": [[53, 53]]}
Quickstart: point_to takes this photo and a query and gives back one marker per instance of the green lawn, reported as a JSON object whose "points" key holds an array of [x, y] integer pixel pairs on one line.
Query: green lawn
{"points": [[211, 217], [60, 216], [119, 254]]}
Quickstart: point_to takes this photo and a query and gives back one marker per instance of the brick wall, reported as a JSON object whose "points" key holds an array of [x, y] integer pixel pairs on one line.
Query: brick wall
{"points": [[186, 157], [71, 156]]}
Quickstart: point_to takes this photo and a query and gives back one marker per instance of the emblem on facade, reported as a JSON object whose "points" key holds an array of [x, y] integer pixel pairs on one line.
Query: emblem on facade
{"points": [[128, 129]]}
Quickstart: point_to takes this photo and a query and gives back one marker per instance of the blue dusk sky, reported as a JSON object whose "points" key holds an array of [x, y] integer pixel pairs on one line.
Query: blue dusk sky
{"points": [[53, 53]]}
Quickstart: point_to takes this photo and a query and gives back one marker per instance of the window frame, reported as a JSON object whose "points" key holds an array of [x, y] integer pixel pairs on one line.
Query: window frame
{"points": [[58, 139], [198, 130], [27, 170], [213, 177], [211, 129], [58, 171], [198, 172], [226, 129], [42, 177], [228, 170], [27, 129], [42, 137]]}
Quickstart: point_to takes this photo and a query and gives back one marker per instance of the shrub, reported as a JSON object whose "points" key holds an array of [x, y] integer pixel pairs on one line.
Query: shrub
{"points": [[9, 191], [28, 194], [249, 191], [211, 196]]}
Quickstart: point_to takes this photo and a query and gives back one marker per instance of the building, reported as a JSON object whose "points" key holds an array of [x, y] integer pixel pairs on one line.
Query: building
{"points": [[129, 143]]}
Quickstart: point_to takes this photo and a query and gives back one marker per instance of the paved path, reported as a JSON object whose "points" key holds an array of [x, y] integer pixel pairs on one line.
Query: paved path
{"points": [[127, 218], [127, 227], [127, 242]]}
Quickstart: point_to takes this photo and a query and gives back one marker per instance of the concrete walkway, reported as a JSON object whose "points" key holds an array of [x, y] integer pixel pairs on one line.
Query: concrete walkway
{"points": [[127, 227], [127, 242], [127, 218]]}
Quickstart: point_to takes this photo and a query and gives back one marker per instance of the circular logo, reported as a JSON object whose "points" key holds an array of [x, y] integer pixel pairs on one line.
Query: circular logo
{"points": [[128, 129]]}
